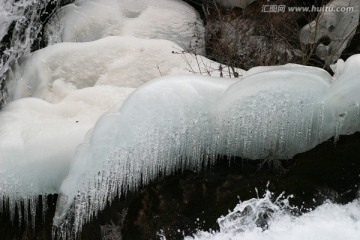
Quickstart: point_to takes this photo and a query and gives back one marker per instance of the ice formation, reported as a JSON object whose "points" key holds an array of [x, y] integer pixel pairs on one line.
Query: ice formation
{"points": [[52, 72], [61, 92], [38, 139], [90, 20], [268, 219], [178, 122], [336, 24]]}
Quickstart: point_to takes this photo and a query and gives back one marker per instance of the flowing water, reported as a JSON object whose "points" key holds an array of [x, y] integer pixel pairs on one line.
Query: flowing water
{"points": [[269, 218]]}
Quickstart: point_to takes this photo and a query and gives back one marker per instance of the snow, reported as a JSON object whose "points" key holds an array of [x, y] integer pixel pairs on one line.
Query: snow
{"points": [[51, 73], [38, 139], [90, 20]]}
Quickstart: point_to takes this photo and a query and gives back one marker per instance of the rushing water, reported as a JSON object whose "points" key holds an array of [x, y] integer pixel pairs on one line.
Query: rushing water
{"points": [[267, 218], [21, 25]]}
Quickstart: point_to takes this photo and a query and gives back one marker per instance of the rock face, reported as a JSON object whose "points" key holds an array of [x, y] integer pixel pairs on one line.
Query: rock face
{"points": [[248, 43], [338, 22]]}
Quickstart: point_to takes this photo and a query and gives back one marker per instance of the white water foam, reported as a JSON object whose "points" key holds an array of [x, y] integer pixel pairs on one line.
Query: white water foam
{"points": [[267, 219]]}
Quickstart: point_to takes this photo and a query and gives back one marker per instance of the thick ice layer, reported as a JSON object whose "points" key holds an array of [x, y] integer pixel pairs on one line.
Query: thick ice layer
{"points": [[84, 21], [274, 111], [53, 72], [177, 122], [342, 100], [264, 219], [61, 92], [167, 119], [38, 139]]}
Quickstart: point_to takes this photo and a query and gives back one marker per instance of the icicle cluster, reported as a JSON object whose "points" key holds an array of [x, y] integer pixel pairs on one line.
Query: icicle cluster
{"points": [[177, 122]]}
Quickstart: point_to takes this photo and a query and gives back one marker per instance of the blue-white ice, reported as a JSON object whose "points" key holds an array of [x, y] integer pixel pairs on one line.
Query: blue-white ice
{"points": [[176, 122], [59, 92]]}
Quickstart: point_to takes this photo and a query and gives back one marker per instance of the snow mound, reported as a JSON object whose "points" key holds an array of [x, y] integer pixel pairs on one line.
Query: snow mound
{"points": [[53, 72], [90, 20], [38, 139]]}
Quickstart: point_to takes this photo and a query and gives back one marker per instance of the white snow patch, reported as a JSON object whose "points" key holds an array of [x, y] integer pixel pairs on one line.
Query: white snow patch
{"points": [[90, 20], [55, 71]]}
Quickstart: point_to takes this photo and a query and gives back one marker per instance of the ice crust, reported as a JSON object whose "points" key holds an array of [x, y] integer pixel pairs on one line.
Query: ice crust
{"points": [[177, 122]]}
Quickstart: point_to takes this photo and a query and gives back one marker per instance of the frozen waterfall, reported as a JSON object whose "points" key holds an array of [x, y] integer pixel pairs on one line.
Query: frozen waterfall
{"points": [[122, 95], [178, 122]]}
